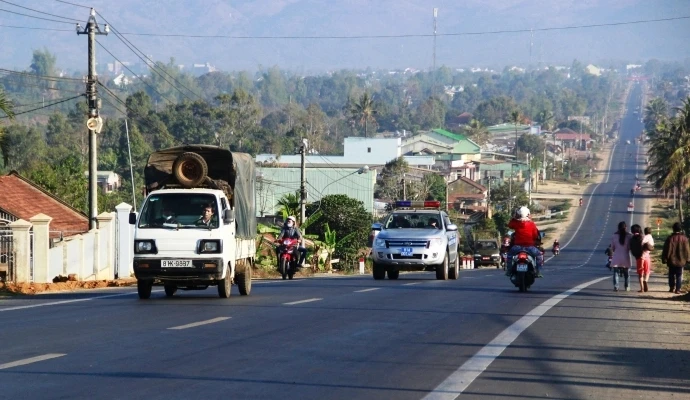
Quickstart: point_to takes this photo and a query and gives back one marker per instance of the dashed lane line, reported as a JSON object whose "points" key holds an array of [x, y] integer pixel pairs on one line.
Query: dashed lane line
{"points": [[56, 303], [31, 360], [367, 290], [200, 323], [292, 303]]}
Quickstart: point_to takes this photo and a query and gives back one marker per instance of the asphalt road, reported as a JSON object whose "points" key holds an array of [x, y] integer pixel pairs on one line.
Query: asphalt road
{"points": [[570, 336]]}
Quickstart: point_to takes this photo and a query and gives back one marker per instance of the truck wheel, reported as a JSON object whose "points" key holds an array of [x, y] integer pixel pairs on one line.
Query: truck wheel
{"points": [[393, 274], [244, 279], [170, 290], [225, 286], [190, 169], [454, 272], [442, 269], [379, 272], [144, 288]]}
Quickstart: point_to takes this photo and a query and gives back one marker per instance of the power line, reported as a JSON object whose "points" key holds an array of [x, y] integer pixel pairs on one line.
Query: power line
{"points": [[72, 4], [33, 104], [153, 63], [411, 35], [37, 11], [45, 77], [18, 83], [33, 16], [132, 72], [46, 106]]}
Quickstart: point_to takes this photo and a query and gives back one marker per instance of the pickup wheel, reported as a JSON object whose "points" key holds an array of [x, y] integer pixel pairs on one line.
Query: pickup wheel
{"points": [[442, 269], [244, 279], [225, 286], [144, 287], [170, 290], [454, 272], [393, 274], [379, 272]]}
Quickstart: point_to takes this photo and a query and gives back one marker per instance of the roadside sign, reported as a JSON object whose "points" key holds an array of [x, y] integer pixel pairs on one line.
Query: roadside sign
{"points": [[658, 221]]}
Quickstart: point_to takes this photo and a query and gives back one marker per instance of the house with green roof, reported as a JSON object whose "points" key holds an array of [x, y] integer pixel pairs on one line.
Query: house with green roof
{"points": [[440, 141]]}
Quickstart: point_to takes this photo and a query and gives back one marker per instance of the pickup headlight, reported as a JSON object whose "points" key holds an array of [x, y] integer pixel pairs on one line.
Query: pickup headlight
{"points": [[145, 247], [210, 246], [435, 242], [477, 255], [380, 243], [495, 255]]}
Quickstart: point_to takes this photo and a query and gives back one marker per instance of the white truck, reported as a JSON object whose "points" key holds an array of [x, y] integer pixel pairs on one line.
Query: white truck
{"points": [[197, 226]]}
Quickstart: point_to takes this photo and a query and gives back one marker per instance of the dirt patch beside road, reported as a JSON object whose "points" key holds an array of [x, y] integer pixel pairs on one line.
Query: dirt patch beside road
{"points": [[36, 288]]}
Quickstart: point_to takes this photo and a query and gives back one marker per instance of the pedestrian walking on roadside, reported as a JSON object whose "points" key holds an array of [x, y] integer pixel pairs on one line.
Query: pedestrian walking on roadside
{"points": [[647, 247], [620, 244], [676, 254], [640, 248]]}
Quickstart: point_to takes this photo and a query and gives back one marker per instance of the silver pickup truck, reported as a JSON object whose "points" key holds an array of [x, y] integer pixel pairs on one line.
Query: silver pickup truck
{"points": [[416, 236]]}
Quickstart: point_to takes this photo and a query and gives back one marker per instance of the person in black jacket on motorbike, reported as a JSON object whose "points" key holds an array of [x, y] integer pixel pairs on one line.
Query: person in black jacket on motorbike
{"points": [[290, 230]]}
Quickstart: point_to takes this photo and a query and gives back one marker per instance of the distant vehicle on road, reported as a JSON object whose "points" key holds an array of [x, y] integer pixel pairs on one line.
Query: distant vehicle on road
{"points": [[487, 252], [627, 142], [416, 236]]}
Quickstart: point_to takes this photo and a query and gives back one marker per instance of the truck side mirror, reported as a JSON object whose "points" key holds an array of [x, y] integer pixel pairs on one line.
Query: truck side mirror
{"points": [[132, 218], [376, 226], [228, 216], [452, 228]]}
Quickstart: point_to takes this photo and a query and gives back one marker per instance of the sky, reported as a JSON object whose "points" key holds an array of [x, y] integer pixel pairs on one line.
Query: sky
{"points": [[464, 37]]}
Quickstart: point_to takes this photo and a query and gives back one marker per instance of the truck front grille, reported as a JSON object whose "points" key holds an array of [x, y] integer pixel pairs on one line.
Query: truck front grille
{"points": [[406, 243]]}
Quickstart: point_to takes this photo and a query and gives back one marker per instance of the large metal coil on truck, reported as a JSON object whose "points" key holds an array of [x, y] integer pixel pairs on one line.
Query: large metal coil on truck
{"points": [[190, 169]]}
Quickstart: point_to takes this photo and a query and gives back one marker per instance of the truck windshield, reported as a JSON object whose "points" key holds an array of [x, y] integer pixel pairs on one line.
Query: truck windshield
{"points": [[180, 211], [413, 220]]}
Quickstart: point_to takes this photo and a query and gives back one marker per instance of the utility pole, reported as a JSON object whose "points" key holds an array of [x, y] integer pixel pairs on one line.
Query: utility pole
{"points": [[94, 122], [404, 188], [433, 71], [531, 43], [303, 182], [529, 183]]}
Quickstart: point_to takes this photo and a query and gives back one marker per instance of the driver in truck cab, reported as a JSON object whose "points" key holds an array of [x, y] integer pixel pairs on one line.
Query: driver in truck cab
{"points": [[526, 238], [290, 230], [206, 219]]}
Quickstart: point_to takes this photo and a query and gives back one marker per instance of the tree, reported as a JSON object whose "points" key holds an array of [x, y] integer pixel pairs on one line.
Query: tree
{"points": [[515, 118], [389, 186], [43, 62], [64, 179], [363, 111], [289, 204], [495, 110], [477, 132], [531, 144], [655, 112], [5, 107]]}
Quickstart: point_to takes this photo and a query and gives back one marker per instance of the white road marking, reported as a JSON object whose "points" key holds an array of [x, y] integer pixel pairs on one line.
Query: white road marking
{"points": [[56, 303], [194, 324], [411, 283], [461, 379], [302, 301], [367, 290], [31, 360]]}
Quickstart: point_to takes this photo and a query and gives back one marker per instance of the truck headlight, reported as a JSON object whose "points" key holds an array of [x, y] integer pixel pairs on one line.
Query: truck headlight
{"points": [[434, 242], [380, 243], [477, 255], [145, 247], [210, 246], [495, 255]]}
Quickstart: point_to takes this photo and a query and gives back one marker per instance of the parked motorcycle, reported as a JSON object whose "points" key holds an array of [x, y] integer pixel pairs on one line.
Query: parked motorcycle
{"points": [[288, 258], [523, 271]]}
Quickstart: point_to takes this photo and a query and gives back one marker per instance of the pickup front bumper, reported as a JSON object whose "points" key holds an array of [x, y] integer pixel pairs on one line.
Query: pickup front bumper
{"points": [[420, 258]]}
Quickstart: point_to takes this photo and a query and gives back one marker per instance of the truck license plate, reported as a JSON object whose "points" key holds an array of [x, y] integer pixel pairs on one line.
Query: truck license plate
{"points": [[176, 263], [406, 251], [522, 267]]}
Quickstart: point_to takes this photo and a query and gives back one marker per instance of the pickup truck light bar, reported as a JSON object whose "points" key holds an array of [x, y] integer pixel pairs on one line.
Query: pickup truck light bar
{"points": [[417, 204]]}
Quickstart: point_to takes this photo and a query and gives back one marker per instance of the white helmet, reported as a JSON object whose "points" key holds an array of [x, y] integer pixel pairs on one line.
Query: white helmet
{"points": [[523, 212], [291, 218]]}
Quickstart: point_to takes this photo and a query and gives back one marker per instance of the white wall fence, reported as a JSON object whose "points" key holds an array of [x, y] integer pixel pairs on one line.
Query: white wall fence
{"points": [[102, 253]]}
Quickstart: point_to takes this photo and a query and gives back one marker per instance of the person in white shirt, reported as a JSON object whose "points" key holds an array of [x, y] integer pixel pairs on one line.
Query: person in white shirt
{"points": [[647, 247]]}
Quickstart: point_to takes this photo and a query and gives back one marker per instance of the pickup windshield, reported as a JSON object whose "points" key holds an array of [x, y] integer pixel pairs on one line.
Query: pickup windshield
{"points": [[413, 220], [180, 211]]}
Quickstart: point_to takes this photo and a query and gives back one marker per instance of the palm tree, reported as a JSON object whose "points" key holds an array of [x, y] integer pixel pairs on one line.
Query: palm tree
{"points": [[547, 119], [364, 111], [5, 107], [515, 118], [289, 204], [655, 112], [477, 132]]}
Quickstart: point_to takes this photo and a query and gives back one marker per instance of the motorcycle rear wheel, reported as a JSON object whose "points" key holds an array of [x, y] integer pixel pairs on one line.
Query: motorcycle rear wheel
{"points": [[283, 267]]}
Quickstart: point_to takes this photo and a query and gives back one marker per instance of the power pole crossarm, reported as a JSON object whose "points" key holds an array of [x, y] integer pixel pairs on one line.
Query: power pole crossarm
{"points": [[92, 29]]}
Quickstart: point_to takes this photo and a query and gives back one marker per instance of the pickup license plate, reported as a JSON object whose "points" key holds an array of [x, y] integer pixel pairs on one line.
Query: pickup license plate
{"points": [[485, 258], [521, 267], [406, 251], [176, 263]]}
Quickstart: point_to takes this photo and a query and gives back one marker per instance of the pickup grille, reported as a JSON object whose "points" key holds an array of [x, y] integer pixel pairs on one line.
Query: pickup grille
{"points": [[406, 243], [412, 257]]}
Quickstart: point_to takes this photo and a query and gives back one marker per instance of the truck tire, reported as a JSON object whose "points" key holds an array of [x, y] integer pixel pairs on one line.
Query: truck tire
{"points": [[170, 290], [244, 279], [190, 169], [144, 287], [454, 272], [225, 286], [442, 269], [379, 272], [393, 274]]}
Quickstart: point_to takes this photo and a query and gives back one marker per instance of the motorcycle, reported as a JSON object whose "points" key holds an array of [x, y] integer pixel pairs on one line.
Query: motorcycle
{"points": [[523, 272], [287, 257], [608, 263], [556, 250], [504, 259]]}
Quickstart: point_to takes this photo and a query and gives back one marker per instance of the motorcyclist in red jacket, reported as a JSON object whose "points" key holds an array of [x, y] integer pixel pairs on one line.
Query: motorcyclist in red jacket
{"points": [[526, 238]]}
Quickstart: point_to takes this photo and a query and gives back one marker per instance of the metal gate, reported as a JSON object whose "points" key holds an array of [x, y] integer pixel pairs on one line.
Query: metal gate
{"points": [[6, 254]]}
